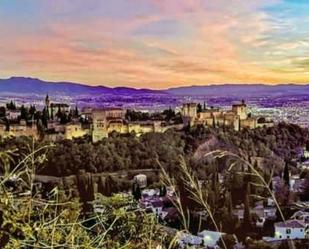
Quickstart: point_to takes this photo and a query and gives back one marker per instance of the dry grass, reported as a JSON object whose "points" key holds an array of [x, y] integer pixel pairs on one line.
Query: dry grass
{"points": [[29, 221]]}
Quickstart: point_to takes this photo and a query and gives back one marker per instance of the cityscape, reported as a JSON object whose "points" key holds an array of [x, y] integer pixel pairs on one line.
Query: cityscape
{"points": [[146, 124]]}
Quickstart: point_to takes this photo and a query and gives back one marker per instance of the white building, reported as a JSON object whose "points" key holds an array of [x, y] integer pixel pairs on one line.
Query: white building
{"points": [[291, 229], [210, 238], [141, 180], [13, 114], [186, 240]]}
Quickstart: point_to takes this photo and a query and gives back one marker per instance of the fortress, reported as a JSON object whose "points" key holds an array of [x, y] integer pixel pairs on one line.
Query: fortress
{"points": [[237, 118], [58, 121], [106, 121]]}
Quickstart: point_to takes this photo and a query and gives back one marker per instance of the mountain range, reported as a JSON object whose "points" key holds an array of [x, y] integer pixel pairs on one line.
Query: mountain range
{"points": [[26, 85]]}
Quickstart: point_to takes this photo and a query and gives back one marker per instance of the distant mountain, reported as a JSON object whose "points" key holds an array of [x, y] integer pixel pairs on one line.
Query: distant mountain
{"points": [[23, 85], [242, 90]]}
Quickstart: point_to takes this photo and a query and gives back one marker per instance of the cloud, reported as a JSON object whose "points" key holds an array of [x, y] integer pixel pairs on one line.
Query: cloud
{"points": [[154, 43]]}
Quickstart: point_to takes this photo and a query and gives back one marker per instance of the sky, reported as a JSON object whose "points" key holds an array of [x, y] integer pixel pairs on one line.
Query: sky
{"points": [[156, 43]]}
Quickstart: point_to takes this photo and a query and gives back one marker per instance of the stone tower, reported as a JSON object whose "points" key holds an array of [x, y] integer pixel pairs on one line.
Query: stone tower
{"points": [[240, 110], [189, 113]]}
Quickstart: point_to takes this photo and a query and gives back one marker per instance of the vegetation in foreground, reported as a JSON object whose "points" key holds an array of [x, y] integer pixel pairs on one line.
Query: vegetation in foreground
{"points": [[28, 220]]}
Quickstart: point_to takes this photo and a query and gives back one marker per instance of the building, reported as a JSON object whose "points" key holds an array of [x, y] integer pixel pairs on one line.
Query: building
{"points": [[260, 213], [13, 114], [240, 110], [54, 108], [291, 229], [103, 118], [236, 118], [16, 129], [188, 240], [210, 238], [189, 113], [106, 121], [141, 180], [74, 130]]}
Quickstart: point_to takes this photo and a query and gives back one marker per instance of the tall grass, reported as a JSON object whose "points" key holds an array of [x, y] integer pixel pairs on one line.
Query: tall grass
{"points": [[240, 161], [29, 221], [199, 195]]}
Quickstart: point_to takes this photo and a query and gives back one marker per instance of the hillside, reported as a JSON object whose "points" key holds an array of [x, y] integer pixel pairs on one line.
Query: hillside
{"points": [[31, 85]]}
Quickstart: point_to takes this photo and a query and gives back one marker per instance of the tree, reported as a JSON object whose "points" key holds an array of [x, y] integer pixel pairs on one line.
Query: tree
{"points": [[213, 121], [45, 117], [199, 108], [59, 112], [247, 214], [64, 118], [11, 105], [304, 195], [76, 112], [137, 194], [41, 129], [52, 113], [229, 241], [2, 111], [286, 175], [23, 113], [7, 124], [32, 110], [162, 190]]}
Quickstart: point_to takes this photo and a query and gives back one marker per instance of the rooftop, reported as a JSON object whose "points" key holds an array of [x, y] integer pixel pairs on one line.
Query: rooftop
{"points": [[291, 224]]}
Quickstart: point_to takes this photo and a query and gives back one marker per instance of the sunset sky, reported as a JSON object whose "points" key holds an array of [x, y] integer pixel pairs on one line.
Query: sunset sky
{"points": [[156, 43]]}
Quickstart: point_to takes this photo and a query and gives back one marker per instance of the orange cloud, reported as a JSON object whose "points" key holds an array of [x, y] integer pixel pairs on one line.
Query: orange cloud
{"points": [[223, 41]]}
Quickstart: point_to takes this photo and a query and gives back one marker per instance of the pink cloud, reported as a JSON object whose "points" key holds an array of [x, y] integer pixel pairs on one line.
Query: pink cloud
{"points": [[106, 50]]}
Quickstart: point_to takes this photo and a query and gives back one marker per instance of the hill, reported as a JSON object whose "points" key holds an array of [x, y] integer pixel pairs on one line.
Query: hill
{"points": [[242, 90], [36, 86]]}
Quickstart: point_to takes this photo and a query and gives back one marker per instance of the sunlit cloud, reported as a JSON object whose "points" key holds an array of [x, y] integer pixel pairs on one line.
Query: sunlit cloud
{"points": [[155, 43]]}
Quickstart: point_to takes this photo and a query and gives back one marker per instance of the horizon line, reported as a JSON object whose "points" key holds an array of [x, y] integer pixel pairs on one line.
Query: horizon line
{"points": [[159, 89]]}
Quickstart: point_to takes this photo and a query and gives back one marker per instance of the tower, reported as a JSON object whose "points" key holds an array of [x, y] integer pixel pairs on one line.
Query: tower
{"points": [[47, 105], [47, 101], [189, 113], [241, 110]]}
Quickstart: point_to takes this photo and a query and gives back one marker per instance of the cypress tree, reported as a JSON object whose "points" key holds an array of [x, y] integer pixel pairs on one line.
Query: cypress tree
{"points": [[162, 190], [136, 191], [286, 175], [247, 214]]}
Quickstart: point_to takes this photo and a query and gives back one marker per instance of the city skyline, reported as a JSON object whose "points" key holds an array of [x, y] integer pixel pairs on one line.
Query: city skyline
{"points": [[156, 44]]}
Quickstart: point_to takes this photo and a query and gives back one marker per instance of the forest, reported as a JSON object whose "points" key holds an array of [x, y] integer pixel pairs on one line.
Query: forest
{"points": [[181, 155], [122, 152]]}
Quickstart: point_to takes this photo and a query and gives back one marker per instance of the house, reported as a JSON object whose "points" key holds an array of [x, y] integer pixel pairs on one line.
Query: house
{"points": [[299, 215], [260, 213], [296, 183], [151, 201], [303, 165], [291, 229], [186, 239], [276, 182], [210, 238], [141, 180], [13, 114]]}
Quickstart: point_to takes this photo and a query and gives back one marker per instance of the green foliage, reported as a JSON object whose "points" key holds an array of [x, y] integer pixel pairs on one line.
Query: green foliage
{"points": [[286, 175], [29, 221], [136, 191], [229, 241]]}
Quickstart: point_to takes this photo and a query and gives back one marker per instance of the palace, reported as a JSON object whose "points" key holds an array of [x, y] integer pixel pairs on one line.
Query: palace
{"points": [[58, 121], [237, 118], [106, 121]]}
